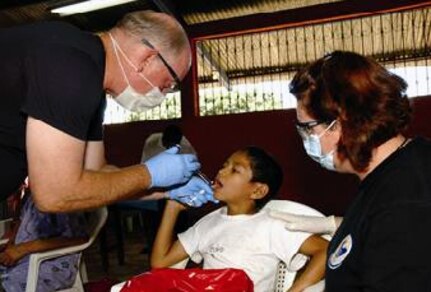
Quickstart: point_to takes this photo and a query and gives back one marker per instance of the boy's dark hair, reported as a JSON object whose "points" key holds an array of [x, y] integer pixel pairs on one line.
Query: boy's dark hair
{"points": [[172, 136], [265, 170]]}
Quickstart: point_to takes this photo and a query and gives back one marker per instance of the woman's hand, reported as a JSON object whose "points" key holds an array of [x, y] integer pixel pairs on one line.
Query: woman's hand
{"points": [[311, 224]]}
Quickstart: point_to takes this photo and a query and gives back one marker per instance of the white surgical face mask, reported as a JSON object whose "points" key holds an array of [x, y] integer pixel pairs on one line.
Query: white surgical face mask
{"points": [[129, 98], [314, 149]]}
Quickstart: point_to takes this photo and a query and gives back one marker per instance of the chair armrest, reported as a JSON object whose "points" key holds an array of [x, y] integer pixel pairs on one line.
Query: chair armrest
{"points": [[41, 256], [46, 255]]}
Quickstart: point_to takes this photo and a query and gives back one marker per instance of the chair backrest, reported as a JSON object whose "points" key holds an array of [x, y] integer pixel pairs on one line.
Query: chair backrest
{"points": [[96, 221], [285, 277]]}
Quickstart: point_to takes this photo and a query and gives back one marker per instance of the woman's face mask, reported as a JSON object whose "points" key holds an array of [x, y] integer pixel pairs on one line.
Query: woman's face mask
{"points": [[313, 148], [129, 98]]}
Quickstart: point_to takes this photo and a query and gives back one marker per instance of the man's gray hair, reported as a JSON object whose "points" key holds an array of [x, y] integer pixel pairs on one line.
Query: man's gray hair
{"points": [[160, 29]]}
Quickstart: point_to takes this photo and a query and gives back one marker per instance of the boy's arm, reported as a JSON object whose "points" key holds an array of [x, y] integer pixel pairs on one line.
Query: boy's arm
{"points": [[315, 247], [13, 253], [166, 251]]}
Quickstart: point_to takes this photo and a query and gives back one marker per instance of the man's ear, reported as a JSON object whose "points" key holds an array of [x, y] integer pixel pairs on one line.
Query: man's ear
{"points": [[147, 56], [260, 191]]}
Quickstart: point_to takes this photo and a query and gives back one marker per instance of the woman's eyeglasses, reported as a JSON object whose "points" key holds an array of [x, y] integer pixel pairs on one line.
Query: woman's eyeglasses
{"points": [[305, 129]]}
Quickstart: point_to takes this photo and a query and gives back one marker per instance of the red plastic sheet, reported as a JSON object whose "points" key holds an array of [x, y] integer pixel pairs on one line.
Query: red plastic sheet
{"points": [[189, 280]]}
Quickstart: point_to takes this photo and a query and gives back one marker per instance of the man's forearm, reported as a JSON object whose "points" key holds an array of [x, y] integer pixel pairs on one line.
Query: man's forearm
{"points": [[94, 189]]}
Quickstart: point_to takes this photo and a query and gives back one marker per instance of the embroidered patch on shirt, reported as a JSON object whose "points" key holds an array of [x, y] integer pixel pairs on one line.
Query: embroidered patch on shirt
{"points": [[342, 251]]}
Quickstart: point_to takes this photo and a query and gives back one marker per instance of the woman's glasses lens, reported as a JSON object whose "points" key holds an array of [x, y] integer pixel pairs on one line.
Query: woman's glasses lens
{"points": [[305, 129]]}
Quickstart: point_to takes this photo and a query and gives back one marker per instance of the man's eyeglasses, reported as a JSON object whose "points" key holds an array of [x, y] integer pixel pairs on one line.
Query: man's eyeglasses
{"points": [[175, 86], [305, 129]]}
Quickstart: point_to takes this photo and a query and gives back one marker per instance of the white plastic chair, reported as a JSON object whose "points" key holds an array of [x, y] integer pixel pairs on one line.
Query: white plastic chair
{"points": [[285, 277], [96, 220]]}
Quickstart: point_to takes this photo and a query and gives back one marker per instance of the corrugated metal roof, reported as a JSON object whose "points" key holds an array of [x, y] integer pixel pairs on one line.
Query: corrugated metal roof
{"points": [[390, 37], [198, 11], [15, 14], [192, 11]]}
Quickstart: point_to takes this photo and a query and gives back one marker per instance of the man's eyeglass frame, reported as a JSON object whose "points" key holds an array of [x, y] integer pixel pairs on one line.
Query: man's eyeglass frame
{"points": [[176, 85]]}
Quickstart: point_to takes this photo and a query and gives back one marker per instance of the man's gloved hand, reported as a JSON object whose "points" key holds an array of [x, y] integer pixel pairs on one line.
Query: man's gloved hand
{"points": [[311, 224], [195, 193], [170, 168]]}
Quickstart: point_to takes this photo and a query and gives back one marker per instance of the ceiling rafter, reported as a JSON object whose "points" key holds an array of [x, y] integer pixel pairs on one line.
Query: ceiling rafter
{"points": [[300, 16]]}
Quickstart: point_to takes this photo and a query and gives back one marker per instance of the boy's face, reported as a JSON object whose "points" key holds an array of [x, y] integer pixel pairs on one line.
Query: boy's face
{"points": [[232, 183]]}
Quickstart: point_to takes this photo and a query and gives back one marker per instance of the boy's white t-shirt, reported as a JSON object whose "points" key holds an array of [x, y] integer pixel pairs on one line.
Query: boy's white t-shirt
{"points": [[254, 243]]}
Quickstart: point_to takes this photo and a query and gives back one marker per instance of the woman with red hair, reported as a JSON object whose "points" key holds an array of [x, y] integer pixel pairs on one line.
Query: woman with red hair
{"points": [[351, 115]]}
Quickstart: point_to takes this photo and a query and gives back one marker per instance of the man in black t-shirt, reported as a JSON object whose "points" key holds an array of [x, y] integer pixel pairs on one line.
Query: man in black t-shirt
{"points": [[54, 79]]}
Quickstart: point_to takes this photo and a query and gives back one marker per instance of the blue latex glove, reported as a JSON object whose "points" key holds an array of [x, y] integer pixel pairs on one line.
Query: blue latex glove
{"points": [[195, 193], [170, 168]]}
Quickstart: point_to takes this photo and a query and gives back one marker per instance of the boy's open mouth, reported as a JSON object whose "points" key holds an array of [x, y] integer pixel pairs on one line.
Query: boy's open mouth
{"points": [[217, 184]]}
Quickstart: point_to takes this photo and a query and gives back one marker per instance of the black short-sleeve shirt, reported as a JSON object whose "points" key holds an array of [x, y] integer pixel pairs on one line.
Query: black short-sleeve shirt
{"points": [[383, 243], [51, 71]]}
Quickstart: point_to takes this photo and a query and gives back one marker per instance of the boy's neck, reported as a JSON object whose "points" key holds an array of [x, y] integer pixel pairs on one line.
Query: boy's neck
{"points": [[242, 209]]}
